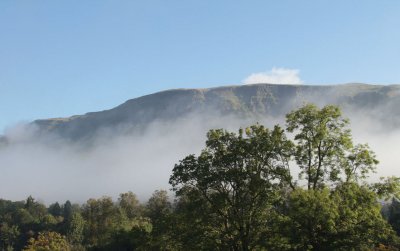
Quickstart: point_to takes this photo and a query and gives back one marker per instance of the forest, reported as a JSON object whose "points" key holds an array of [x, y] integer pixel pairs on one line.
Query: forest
{"points": [[304, 185]]}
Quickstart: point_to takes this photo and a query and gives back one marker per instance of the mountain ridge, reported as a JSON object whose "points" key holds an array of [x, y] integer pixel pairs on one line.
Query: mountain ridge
{"points": [[235, 100]]}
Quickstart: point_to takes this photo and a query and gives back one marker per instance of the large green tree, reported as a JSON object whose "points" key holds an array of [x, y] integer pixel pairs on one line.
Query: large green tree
{"points": [[241, 194], [239, 178], [347, 216], [324, 149]]}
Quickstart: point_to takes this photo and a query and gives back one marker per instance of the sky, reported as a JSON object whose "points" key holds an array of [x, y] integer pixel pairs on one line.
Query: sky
{"points": [[61, 58]]}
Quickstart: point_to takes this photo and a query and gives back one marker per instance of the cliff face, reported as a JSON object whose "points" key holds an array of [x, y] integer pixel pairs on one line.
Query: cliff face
{"points": [[246, 101]]}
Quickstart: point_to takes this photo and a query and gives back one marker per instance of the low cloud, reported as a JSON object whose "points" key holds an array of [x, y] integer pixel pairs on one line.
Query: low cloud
{"points": [[52, 169], [275, 76]]}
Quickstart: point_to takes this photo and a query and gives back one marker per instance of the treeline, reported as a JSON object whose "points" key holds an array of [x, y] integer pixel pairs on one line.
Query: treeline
{"points": [[126, 224], [99, 224], [257, 189]]}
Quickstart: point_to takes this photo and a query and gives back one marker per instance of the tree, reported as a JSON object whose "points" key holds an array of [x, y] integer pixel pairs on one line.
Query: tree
{"points": [[360, 224], [159, 211], [158, 206], [37, 210], [48, 241], [129, 203], [75, 229], [238, 177], [67, 211], [137, 238], [345, 218], [327, 157], [241, 195], [55, 209], [324, 146], [49, 222], [312, 215], [8, 236], [102, 219]]}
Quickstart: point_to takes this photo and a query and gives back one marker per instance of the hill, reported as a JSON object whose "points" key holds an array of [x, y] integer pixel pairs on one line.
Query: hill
{"points": [[244, 101]]}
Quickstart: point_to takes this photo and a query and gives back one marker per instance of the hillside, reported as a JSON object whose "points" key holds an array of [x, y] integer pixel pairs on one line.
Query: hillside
{"points": [[243, 101]]}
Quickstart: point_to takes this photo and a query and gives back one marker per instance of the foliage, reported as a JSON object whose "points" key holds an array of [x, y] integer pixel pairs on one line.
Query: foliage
{"points": [[238, 176], [312, 215], [394, 215], [137, 238], [159, 210], [129, 204], [324, 147], [345, 218], [387, 188], [240, 188], [8, 236], [55, 209], [102, 218], [75, 228], [360, 224], [48, 241]]}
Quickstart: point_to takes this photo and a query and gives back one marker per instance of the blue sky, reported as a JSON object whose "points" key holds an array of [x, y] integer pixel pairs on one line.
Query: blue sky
{"points": [[60, 58]]}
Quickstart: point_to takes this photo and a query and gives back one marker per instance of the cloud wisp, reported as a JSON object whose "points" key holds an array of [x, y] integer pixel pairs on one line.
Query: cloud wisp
{"points": [[276, 76]]}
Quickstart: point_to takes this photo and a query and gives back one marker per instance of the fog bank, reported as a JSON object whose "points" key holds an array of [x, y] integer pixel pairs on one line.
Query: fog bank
{"points": [[53, 169]]}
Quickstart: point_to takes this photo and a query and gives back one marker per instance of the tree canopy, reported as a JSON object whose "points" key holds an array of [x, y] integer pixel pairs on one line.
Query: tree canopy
{"points": [[244, 185]]}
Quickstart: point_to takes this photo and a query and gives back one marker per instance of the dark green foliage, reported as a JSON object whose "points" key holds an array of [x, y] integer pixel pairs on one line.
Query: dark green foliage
{"points": [[74, 229], [240, 190], [101, 220], [160, 212], [311, 219], [238, 177], [55, 209], [67, 211], [394, 215], [137, 238], [346, 218], [360, 224], [8, 236], [20, 221]]}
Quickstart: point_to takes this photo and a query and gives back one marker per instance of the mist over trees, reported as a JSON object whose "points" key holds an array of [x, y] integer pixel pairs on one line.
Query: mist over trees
{"points": [[117, 144], [301, 186]]}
